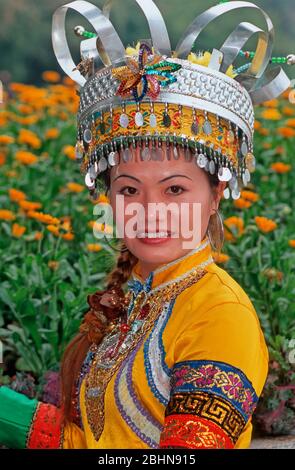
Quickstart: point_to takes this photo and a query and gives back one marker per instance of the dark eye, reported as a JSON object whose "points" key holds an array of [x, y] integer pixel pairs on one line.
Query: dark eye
{"points": [[131, 191], [175, 189]]}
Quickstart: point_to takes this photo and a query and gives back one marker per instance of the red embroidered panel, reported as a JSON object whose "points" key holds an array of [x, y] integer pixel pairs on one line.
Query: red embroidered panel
{"points": [[193, 432], [46, 428]]}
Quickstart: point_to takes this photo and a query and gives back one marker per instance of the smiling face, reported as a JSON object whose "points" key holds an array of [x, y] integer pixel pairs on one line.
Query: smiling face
{"points": [[178, 182]]}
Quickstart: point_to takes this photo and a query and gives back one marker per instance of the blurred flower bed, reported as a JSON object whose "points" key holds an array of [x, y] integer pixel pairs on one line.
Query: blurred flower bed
{"points": [[50, 259]]}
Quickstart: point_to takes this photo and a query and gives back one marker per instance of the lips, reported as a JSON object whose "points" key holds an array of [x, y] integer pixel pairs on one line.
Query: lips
{"points": [[151, 235]]}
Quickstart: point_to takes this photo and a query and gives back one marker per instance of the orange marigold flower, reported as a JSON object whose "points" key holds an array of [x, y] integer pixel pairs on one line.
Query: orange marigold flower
{"points": [[68, 81], [102, 198], [53, 229], [28, 120], [52, 133], [3, 119], [271, 103], [75, 187], [53, 264], [291, 243], [220, 257], [51, 76], [265, 225], [6, 215], [249, 195], [286, 131], [236, 225], [68, 236], [69, 151], [38, 235], [26, 158], [273, 274], [2, 158], [94, 247], [266, 145], [6, 140], [271, 114], [11, 174], [18, 230], [257, 124], [279, 150], [286, 93], [29, 205], [100, 227], [280, 167], [63, 116], [16, 195], [242, 203], [67, 226], [290, 123], [44, 218], [288, 111], [264, 131], [30, 138], [25, 109]]}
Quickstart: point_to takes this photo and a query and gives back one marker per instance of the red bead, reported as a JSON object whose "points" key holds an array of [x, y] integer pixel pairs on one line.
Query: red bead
{"points": [[124, 328], [144, 311]]}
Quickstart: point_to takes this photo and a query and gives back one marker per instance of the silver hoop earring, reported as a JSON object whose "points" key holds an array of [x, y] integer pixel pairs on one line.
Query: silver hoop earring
{"points": [[214, 222], [122, 250]]}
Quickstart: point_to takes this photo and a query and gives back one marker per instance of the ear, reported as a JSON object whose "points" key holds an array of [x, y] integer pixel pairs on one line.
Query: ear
{"points": [[217, 196]]}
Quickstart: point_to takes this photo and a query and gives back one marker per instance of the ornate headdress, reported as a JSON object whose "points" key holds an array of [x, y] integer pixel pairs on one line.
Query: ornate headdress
{"points": [[151, 97]]}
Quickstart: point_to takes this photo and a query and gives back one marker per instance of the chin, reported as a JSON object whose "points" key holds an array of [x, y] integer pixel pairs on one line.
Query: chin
{"points": [[156, 253]]}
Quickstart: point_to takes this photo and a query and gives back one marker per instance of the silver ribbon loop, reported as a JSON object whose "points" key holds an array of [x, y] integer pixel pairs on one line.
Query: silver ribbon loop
{"points": [[273, 83], [264, 50], [236, 41], [108, 44], [157, 25]]}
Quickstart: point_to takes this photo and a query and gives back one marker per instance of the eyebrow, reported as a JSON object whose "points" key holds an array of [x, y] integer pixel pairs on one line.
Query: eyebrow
{"points": [[161, 181]]}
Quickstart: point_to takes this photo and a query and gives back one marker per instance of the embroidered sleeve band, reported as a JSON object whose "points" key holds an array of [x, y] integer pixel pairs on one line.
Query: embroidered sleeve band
{"points": [[28, 423], [46, 428], [211, 396], [193, 432]]}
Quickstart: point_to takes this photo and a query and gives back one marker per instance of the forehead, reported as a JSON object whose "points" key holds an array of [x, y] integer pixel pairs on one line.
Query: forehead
{"points": [[154, 170]]}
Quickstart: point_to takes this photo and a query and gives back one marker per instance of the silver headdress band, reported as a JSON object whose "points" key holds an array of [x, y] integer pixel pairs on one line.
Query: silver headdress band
{"points": [[164, 97]]}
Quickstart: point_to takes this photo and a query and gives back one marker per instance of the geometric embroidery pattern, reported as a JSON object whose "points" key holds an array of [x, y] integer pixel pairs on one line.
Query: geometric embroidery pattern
{"points": [[208, 406]]}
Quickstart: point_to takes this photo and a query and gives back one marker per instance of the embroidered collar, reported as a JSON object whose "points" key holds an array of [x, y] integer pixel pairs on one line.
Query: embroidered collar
{"points": [[201, 255]]}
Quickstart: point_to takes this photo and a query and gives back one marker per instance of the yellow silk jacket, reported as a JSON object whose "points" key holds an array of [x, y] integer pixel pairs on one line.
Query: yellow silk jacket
{"points": [[194, 378]]}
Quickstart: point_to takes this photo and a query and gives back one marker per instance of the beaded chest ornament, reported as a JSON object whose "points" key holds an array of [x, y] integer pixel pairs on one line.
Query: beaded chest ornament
{"points": [[117, 345]]}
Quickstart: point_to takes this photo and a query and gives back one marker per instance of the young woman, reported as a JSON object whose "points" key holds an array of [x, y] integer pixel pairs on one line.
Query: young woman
{"points": [[171, 354]]}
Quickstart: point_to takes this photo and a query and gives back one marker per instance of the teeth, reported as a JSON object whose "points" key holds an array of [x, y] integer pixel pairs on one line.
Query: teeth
{"points": [[153, 235]]}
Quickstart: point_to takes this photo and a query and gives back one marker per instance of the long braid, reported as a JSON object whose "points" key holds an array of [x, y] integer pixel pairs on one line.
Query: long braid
{"points": [[121, 273], [105, 306]]}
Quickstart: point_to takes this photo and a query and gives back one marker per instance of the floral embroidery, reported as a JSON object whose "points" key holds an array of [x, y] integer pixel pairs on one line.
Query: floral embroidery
{"points": [[219, 378], [193, 432]]}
